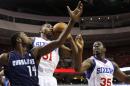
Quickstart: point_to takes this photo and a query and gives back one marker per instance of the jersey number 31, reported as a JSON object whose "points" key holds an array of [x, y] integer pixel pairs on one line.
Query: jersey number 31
{"points": [[48, 57]]}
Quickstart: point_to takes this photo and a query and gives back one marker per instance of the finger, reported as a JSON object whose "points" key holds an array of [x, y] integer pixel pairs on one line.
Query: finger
{"points": [[80, 10], [81, 35], [79, 4], [81, 7], [68, 8], [79, 14], [80, 38], [77, 37]]}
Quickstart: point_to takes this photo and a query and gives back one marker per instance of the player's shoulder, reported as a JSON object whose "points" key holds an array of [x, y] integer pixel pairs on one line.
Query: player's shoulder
{"points": [[114, 63], [89, 60], [38, 38], [3, 55]]}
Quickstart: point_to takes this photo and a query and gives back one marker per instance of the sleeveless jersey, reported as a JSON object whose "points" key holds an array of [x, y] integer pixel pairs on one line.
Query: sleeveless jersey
{"points": [[48, 63], [22, 71], [100, 74]]}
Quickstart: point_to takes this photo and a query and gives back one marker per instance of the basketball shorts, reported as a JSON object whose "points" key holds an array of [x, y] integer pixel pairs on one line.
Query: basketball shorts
{"points": [[47, 81]]}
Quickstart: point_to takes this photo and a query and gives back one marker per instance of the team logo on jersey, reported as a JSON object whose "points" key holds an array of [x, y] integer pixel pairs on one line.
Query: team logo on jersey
{"points": [[40, 43], [105, 70], [23, 62]]}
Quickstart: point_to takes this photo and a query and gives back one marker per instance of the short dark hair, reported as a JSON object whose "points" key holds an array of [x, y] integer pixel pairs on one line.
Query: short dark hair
{"points": [[46, 25], [14, 39]]}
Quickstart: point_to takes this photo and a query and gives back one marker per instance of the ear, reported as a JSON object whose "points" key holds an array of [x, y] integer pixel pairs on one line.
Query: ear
{"points": [[19, 40]]}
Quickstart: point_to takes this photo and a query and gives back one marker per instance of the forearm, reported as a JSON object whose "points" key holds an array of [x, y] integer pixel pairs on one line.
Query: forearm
{"points": [[78, 61], [65, 33], [74, 48]]}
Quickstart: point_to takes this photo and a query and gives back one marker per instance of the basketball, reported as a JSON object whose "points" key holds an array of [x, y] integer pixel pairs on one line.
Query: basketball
{"points": [[59, 27]]}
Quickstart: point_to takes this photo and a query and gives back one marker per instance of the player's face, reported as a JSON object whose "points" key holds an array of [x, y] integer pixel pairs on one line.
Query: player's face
{"points": [[48, 31], [25, 39], [98, 48], [23, 42]]}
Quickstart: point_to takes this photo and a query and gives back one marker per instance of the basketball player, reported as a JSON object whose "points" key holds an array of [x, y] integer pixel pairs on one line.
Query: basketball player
{"points": [[48, 63], [98, 69], [21, 65]]}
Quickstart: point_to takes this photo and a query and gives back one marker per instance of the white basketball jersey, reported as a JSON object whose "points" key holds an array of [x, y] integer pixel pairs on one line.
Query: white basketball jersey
{"points": [[49, 62], [101, 74]]}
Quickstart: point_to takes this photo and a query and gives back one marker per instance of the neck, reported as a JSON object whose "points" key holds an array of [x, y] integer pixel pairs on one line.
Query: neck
{"points": [[44, 37], [20, 51], [100, 56]]}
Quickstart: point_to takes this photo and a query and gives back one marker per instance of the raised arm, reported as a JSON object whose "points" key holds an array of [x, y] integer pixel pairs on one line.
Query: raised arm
{"points": [[79, 65], [78, 59], [121, 76], [70, 51], [74, 16]]}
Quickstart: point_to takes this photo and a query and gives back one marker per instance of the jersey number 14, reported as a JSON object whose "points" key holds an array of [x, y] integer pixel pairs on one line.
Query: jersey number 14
{"points": [[32, 71]]}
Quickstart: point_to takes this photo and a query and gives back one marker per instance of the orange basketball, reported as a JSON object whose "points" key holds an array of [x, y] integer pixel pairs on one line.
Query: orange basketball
{"points": [[59, 27]]}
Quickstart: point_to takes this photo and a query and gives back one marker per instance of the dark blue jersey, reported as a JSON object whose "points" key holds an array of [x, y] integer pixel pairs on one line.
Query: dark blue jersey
{"points": [[22, 71]]}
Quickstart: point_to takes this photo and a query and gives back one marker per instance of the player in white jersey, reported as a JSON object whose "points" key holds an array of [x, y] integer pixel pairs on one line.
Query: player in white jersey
{"points": [[98, 69], [48, 63]]}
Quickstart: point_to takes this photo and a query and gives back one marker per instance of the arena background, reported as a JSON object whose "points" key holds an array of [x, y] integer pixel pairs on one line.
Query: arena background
{"points": [[87, 85], [104, 20]]}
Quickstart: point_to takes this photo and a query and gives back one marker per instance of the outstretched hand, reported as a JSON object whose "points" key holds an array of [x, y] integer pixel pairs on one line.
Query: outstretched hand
{"points": [[75, 14], [79, 42]]}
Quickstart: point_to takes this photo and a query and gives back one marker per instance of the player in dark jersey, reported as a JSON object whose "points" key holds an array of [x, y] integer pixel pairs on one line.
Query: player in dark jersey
{"points": [[21, 65]]}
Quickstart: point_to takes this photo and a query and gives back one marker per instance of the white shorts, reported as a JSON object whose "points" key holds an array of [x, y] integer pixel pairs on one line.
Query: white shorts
{"points": [[47, 81]]}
